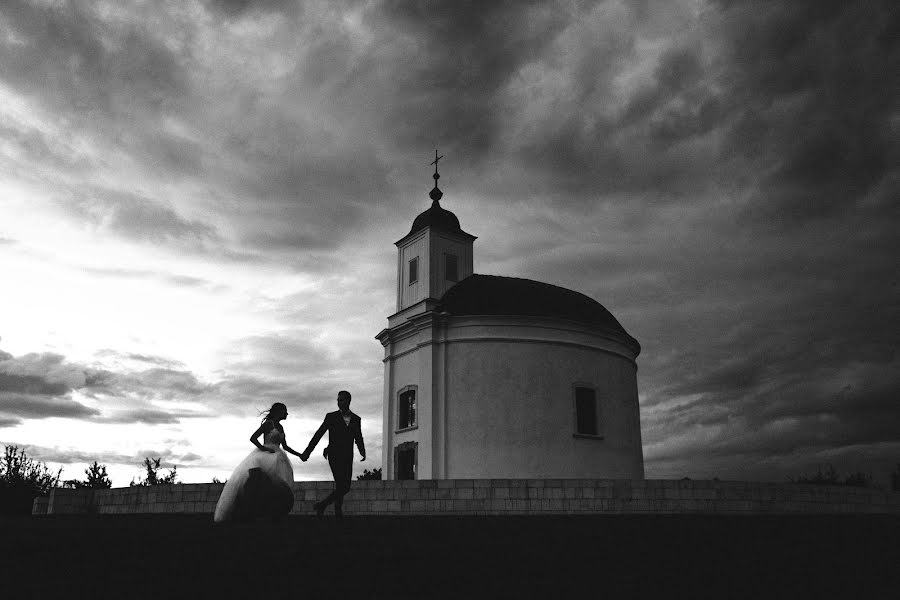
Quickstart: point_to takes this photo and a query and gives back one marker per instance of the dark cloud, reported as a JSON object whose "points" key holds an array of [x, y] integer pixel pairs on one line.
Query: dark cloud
{"points": [[583, 134], [32, 384], [18, 406], [807, 84], [130, 396], [154, 360], [294, 353], [90, 66], [93, 75], [169, 456], [290, 241], [146, 416], [764, 318], [37, 147], [261, 370], [807, 382], [40, 386], [453, 62], [66, 456], [722, 176], [167, 278], [304, 199], [247, 393], [240, 8], [803, 414], [137, 218], [39, 374], [771, 92], [307, 397], [176, 383]]}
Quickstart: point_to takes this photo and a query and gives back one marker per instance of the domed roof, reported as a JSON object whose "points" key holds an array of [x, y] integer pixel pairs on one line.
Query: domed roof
{"points": [[437, 217], [495, 295]]}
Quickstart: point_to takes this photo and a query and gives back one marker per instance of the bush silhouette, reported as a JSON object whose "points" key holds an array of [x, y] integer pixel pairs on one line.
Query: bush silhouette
{"points": [[22, 480], [830, 476], [370, 475], [859, 479], [97, 478], [153, 476]]}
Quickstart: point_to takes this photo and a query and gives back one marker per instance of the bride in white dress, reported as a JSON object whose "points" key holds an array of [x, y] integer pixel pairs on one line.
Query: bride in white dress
{"points": [[261, 484]]}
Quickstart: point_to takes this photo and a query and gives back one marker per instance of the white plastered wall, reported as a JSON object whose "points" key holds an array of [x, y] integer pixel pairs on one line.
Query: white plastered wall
{"points": [[496, 400]]}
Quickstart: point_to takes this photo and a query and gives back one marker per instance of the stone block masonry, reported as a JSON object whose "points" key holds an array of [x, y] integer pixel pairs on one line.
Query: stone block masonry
{"points": [[501, 497]]}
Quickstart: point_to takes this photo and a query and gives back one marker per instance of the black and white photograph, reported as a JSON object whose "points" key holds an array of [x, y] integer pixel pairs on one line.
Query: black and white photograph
{"points": [[449, 299]]}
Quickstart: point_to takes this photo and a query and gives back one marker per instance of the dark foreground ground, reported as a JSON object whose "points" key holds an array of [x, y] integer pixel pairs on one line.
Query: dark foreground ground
{"points": [[632, 556]]}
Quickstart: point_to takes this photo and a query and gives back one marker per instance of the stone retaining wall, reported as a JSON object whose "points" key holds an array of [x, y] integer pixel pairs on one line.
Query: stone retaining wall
{"points": [[500, 497]]}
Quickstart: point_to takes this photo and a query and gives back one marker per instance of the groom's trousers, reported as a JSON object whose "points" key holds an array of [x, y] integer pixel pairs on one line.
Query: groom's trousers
{"points": [[341, 469]]}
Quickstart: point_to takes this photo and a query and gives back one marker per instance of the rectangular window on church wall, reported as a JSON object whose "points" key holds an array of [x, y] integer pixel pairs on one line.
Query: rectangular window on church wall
{"points": [[407, 409], [452, 269], [414, 270], [586, 411]]}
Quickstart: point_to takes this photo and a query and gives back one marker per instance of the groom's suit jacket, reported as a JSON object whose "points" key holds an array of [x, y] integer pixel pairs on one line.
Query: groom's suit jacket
{"points": [[340, 436]]}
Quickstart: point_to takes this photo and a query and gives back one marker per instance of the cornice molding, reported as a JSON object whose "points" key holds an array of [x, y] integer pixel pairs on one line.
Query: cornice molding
{"points": [[447, 329]]}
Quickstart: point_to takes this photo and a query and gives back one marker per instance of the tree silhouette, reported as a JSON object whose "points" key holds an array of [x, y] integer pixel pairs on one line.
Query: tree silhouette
{"points": [[22, 480]]}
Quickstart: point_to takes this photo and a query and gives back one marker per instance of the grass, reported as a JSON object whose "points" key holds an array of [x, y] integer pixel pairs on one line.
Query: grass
{"points": [[161, 556]]}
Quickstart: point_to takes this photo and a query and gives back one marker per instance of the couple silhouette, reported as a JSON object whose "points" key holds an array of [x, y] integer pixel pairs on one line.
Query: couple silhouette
{"points": [[261, 485]]}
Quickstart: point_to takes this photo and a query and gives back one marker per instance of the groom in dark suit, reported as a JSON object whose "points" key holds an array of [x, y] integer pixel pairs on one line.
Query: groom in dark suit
{"points": [[344, 428]]}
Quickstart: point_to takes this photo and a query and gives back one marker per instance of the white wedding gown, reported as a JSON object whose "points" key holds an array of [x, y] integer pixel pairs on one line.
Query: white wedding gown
{"points": [[274, 465]]}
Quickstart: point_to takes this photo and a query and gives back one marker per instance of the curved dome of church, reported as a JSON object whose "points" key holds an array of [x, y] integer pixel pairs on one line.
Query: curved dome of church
{"points": [[437, 217], [496, 295]]}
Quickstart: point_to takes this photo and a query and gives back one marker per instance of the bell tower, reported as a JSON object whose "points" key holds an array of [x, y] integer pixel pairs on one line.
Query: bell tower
{"points": [[434, 255], [431, 259]]}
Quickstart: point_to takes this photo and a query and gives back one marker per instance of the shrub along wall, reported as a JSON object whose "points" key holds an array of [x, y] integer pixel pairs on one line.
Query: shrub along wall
{"points": [[500, 497]]}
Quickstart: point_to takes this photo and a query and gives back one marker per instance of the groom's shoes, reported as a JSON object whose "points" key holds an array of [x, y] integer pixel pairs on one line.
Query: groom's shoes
{"points": [[320, 509]]}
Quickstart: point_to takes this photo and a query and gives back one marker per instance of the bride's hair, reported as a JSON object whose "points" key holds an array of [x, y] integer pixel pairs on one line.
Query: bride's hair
{"points": [[277, 407]]}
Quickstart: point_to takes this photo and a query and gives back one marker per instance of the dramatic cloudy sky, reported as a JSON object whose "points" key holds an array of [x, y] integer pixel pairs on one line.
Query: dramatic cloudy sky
{"points": [[199, 199]]}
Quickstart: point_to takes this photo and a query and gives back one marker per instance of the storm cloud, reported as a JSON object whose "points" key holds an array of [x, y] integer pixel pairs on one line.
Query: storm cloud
{"points": [[41, 386], [721, 175]]}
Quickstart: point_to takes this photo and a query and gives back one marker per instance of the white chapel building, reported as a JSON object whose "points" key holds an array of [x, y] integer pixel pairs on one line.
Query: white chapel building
{"points": [[500, 377]]}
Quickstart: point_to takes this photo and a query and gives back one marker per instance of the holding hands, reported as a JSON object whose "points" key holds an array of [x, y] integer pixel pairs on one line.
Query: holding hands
{"points": [[304, 456]]}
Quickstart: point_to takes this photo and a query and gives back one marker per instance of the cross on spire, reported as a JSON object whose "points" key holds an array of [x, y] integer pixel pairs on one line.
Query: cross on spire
{"points": [[436, 194], [436, 159]]}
